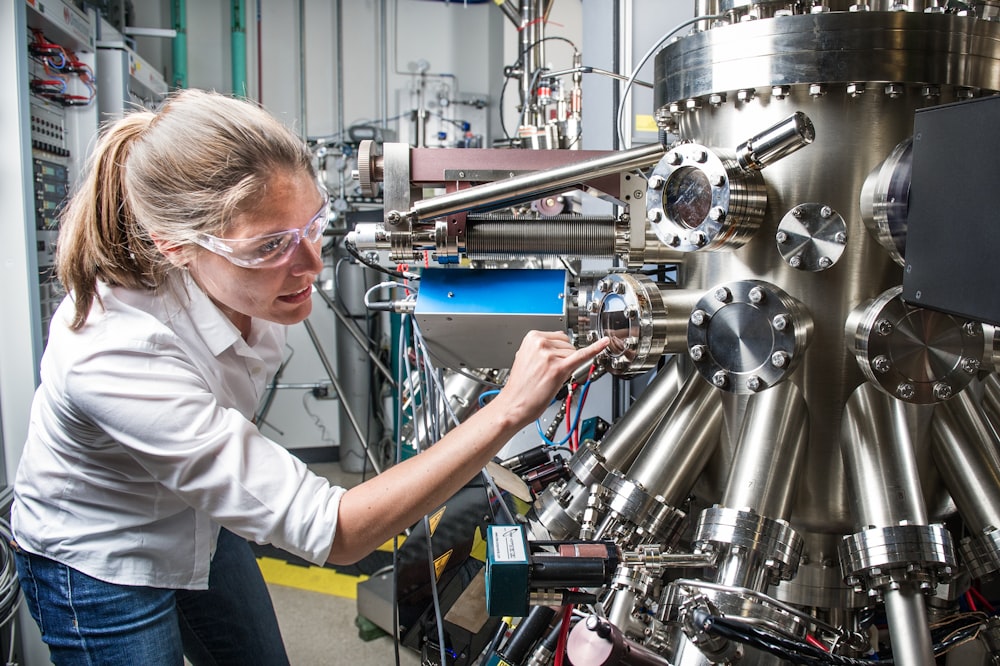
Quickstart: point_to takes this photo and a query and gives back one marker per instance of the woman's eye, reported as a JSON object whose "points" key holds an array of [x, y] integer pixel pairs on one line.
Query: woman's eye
{"points": [[272, 245]]}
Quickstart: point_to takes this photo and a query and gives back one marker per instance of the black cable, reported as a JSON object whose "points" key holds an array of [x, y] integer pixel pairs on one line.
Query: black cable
{"points": [[353, 251]]}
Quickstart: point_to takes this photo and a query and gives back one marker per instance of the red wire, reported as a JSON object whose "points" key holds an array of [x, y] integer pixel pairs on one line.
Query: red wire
{"points": [[815, 643], [563, 633], [969, 600], [983, 600]]}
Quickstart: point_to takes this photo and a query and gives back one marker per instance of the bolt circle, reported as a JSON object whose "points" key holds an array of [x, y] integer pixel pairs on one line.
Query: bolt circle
{"points": [[780, 359], [720, 378], [723, 295], [698, 317], [780, 322], [781, 237], [698, 352]]}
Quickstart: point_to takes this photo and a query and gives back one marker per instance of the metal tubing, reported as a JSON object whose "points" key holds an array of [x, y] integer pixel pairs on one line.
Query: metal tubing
{"points": [[967, 452], [991, 399], [531, 184], [351, 327], [770, 450], [879, 460], [907, 614], [681, 445], [340, 391], [630, 433]]}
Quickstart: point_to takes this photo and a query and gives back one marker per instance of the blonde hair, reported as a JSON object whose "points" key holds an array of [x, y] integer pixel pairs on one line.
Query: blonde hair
{"points": [[170, 175]]}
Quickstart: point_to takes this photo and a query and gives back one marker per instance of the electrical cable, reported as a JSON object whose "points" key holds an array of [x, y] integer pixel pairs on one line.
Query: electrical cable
{"points": [[642, 61], [353, 251]]}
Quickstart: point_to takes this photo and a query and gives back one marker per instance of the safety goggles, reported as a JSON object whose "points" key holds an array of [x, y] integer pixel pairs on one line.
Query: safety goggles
{"points": [[269, 250]]}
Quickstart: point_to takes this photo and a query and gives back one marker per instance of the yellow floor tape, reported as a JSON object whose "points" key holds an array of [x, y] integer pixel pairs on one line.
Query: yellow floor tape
{"points": [[314, 579]]}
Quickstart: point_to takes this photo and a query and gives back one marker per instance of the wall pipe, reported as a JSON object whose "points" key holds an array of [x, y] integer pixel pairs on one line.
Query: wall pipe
{"points": [[178, 18], [238, 47]]}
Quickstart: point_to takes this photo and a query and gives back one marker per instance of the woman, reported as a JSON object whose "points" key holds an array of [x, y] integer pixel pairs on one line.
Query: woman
{"points": [[183, 273]]}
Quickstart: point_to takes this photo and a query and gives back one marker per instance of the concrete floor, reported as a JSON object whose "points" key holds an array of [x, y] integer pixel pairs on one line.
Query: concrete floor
{"points": [[319, 629]]}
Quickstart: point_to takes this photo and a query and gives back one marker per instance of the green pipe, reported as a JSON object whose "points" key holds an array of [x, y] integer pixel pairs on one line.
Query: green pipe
{"points": [[239, 48], [178, 17]]}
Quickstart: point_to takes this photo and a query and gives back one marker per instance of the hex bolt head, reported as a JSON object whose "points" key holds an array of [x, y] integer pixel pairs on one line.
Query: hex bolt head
{"points": [[825, 212], [745, 94], [942, 390], [604, 286], [717, 214], [841, 237], [630, 312], [673, 240], [701, 156], [619, 288], [970, 327], [884, 327], [798, 213], [699, 317], [619, 363], [825, 262], [655, 216], [905, 391], [756, 295], [780, 322], [718, 180], [893, 90], [795, 261], [720, 378], [970, 365], [674, 158], [631, 342], [723, 295], [781, 237], [698, 238], [881, 364], [592, 336], [594, 306], [656, 181], [698, 352], [754, 383], [780, 359]]}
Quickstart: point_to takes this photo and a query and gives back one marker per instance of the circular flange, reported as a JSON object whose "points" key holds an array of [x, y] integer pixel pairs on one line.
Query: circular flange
{"points": [[918, 355], [778, 545], [811, 237], [629, 309], [875, 557], [747, 336], [698, 198]]}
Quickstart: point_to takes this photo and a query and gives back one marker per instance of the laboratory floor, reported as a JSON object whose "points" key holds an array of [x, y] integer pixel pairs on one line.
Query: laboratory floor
{"points": [[317, 609]]}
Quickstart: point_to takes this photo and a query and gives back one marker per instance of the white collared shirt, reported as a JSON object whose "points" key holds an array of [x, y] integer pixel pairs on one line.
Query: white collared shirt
{"points": [[141, 443]]}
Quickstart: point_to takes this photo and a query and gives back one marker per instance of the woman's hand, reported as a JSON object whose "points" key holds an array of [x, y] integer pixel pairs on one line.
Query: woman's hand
{"points": [[543, 363]]}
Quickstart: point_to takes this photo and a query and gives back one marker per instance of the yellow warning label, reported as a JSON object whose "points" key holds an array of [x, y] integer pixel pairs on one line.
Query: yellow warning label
{"points": [[441, 562], [436, 519], [645, 123]]}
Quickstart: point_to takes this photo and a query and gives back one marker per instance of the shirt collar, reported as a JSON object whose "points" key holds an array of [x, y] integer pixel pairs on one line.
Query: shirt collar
{"points": [[214, 327]]}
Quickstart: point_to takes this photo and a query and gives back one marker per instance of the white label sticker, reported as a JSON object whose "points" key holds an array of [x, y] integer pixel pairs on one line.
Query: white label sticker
{"points": [[508, 544]]}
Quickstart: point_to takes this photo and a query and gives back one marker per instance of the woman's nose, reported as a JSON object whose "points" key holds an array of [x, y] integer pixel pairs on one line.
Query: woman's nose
{"points": [[308, 257]]}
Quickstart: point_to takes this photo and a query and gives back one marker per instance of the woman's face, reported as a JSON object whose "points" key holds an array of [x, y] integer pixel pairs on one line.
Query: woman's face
{"points": [[283, 293]]}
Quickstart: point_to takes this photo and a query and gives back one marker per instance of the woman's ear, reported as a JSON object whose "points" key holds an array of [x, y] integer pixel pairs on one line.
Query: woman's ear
{"points": [[178, 255]]}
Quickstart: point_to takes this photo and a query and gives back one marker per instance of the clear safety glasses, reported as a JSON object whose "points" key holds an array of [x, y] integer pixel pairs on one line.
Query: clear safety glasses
{"points": [[271, 249]]}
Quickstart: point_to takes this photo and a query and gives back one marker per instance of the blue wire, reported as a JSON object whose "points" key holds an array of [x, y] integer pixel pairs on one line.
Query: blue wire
{"points": [[576, 420], [486, 394]]}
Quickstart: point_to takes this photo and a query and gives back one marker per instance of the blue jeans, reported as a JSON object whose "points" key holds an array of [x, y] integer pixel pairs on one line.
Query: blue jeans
{"points": [[85, 621]]}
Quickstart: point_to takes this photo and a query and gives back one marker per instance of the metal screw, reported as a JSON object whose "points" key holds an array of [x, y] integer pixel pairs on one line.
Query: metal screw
{"points": [[692, 104], [674, 158], [746, 94], [781, 322], [779, 92], [592, 336], [619, 288], [717, 99], [604, 286], [698, 317], [723, 295], [619, 363], [970, 327], [698, 352], [594, 306], [698, 238], [883, 327], [795, 261], [720, 378], [631, 312], [931, 91], [970, 365], [631, 342], [797, 213], [825, 262], [841, 237], [655, 216], [754, 383], [881, 363], [905, 391], [942, 390], [817, 89], [719, 180], [855, 89], [657, 181], [781, 237], [825, 211], [894, 90], [701, 156], [756, 295], [673, 240], [780, 359], [717, 214]]}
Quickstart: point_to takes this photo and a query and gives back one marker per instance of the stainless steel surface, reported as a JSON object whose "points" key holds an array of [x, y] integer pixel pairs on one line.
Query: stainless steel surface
{"points": [[907, 613], [520, 188]]}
